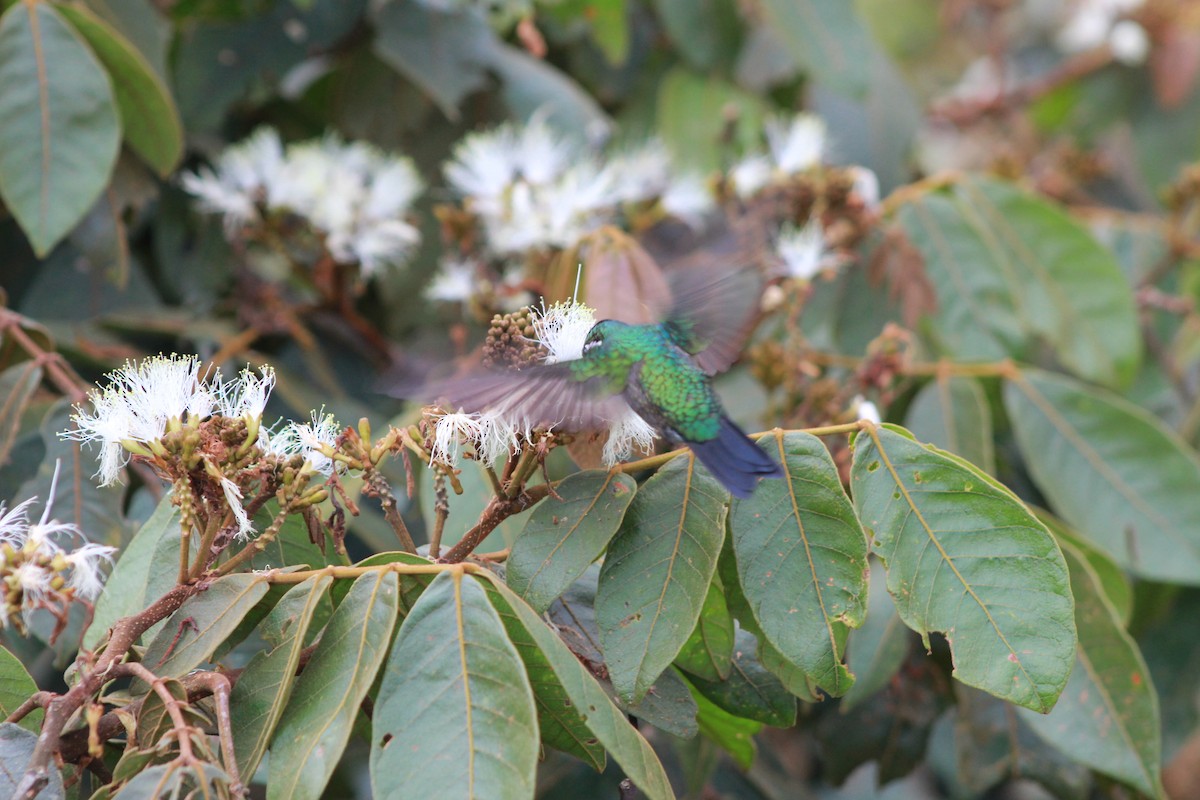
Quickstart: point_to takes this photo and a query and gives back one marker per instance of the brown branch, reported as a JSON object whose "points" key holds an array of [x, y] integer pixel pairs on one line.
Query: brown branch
{"points": [[375, 485], [498, 510], [183, 731], [61, 708]]}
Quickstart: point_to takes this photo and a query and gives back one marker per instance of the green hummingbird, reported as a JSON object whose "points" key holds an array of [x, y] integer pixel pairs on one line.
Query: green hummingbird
{"points": [[663, 371]]}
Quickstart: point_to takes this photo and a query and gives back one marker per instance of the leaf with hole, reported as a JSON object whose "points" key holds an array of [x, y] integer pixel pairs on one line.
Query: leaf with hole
{"points": [[964, 557]]}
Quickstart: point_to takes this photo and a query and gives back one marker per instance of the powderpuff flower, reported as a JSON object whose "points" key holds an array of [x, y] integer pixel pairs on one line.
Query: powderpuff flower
{"points": [[87, 575], [796, 144], [626, 434], [308, 440], [449, 434], [866, 411], [562, 329], [802, 250], [454, 282]]}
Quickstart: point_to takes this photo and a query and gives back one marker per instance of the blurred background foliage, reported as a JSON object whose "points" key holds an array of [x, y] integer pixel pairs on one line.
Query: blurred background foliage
{"points": [[1036, 200]]}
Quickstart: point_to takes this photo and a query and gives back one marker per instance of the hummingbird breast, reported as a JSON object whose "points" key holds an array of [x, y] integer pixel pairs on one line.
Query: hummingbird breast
{"points": [[667, 390]]}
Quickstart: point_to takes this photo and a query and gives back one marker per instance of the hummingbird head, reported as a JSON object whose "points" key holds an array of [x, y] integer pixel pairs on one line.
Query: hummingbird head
{"points": [[604, 337]]}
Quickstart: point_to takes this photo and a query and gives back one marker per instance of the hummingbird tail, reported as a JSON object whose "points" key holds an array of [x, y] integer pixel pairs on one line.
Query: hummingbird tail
{"points": [[735, 460]]}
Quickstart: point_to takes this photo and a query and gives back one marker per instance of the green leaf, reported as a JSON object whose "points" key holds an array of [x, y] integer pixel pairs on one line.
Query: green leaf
{"points": [[994, 745], [263, 689], [828, 39], [734, 734], [610, 28], [454, 697], [668, 706], [411, 586], [1112, 472], [1107, 717], [696, 116], [562, 537], [214, 613], [148, 114], [966, 558], [530, 84], [437, 51], [708, 652], [1013, 269], [751, 691], [316, 724], [17, 686], [656, 574], [127, 590], [1113, 580], [59, 130], [704, 32], [801, 533], [16, 748], [953, 414], [559, 722], [877, 650], [588, 700]]}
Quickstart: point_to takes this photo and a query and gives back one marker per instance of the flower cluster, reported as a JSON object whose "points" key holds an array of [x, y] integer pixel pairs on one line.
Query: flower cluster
{"points": [[794, 145], [45, 564], [559, 331], [532, 188], [1095, 23], [180, 422], [355, 196]]}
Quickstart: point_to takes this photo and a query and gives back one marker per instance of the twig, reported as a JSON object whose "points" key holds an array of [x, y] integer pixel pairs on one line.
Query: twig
{"points": [[441, 510], [498, 510], [183, 731], [375, 485], [220, 687]]}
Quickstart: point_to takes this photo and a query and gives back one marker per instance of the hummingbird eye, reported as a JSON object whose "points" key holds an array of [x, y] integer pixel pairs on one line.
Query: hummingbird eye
{"points": [[592, 344]]}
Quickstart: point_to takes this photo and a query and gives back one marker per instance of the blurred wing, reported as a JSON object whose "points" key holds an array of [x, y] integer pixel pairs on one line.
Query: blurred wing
{"points": [[544, 395], [712, 313]]}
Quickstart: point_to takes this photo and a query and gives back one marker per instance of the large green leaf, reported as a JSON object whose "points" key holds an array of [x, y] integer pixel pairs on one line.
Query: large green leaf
{"points": [[828, 38], [454, 698], [263, 689], [587, 699], [562, 537], [1012, 269], [708, 652], [750, 691], [802, 559], [316, 724], [704, 32], [734, 734], [437, 51], [1107, 716], [195, 630], [16, 686], [966, 558], [16, 748], [59, 129], [148, 114], [696, 116], [877, 650], [1113, 580], [127, 590], [656, 574], [1113, 472], [559, 723], [953, 413]]}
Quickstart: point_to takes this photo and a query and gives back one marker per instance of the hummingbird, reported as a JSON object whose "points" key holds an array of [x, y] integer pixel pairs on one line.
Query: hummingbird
{"points": [[663, 371]]}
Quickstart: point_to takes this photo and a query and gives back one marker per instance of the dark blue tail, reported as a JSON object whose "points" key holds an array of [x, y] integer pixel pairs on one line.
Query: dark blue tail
{"points": [[735, 460]]}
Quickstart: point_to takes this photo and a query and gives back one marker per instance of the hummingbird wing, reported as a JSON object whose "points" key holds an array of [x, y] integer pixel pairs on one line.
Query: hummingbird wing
{"points": [[712, 313], [538, 396]]}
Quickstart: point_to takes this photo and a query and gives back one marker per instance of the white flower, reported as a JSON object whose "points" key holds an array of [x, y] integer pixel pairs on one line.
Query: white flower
{"points": [[867, 411], [625, 434], [14, 523], [246, 396], [796, 144], [233, 498], [640, 173], [688, 198], [497, 438], [449, 433], [308, 440], [1093, 24], [394, 185], [484, 163], [240, 178], [87, 579], [866, 186], [1129, 42], [802, 250], [750, 175], [34, 580], [562, 329], [453, 283], [375, 245], [136, 406]]}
